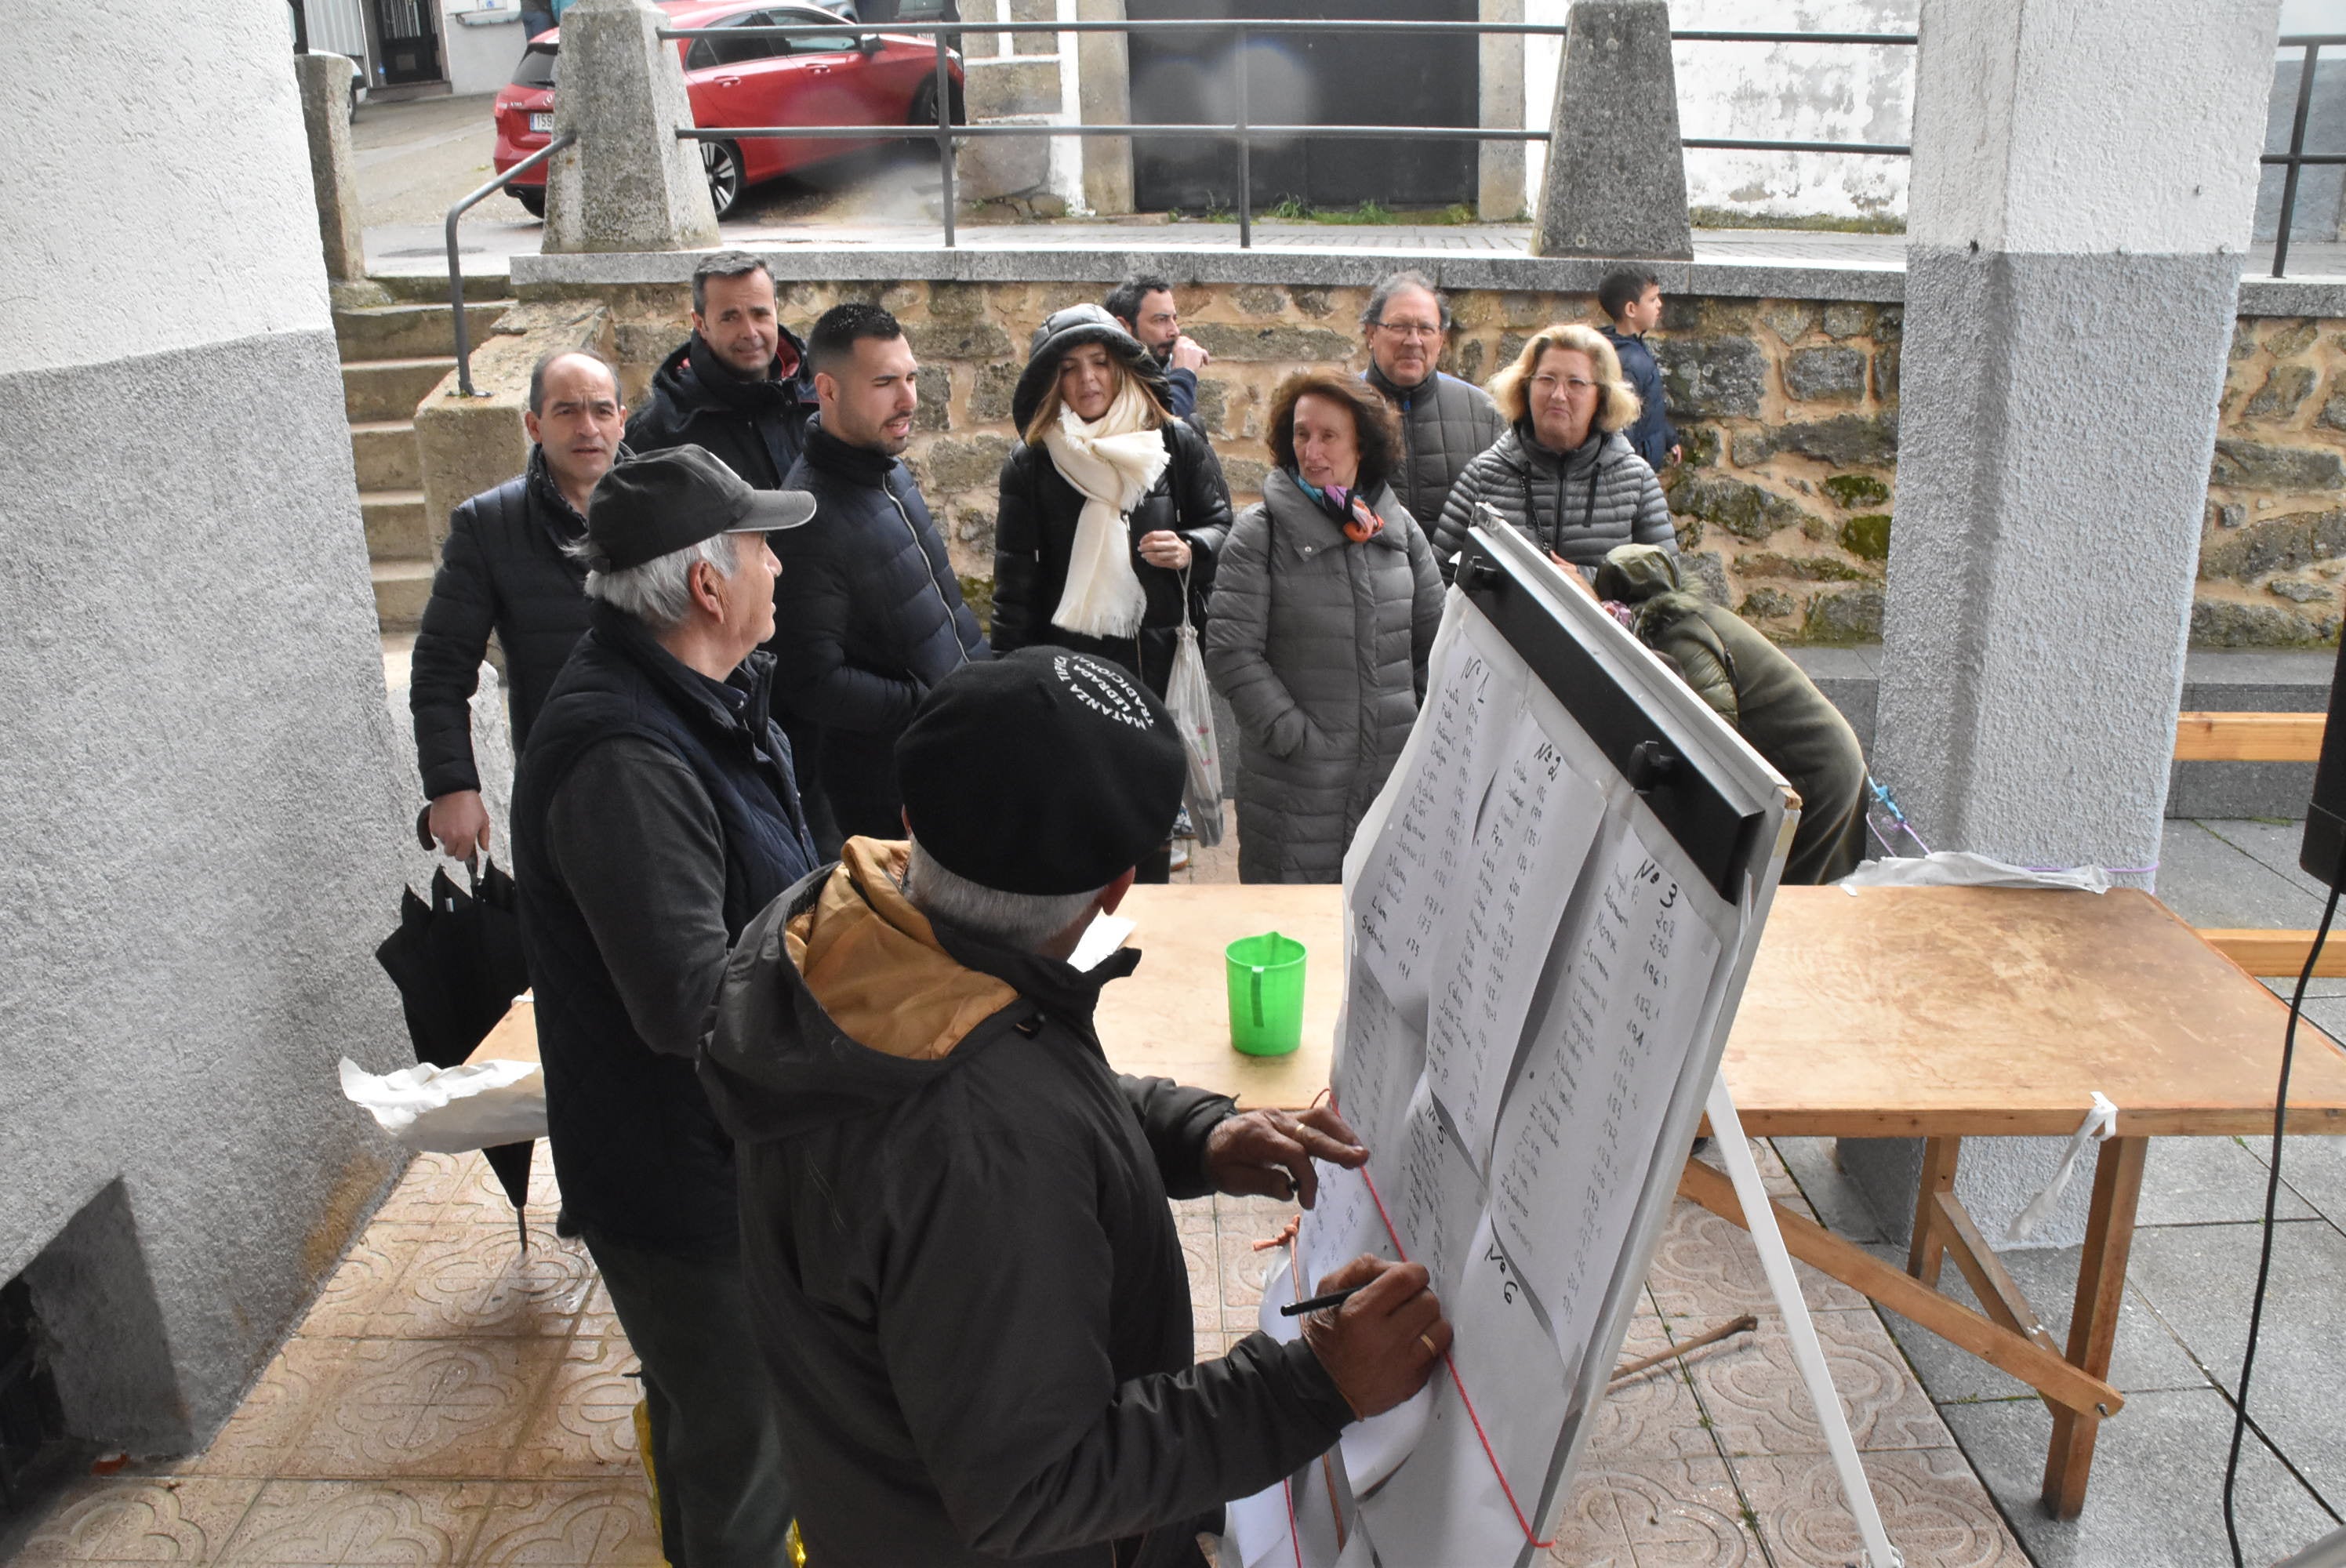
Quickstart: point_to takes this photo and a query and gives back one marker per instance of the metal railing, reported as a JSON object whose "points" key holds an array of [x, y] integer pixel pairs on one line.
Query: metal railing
{"points": [[2297, 158], [456, 268], [1239, 128]]}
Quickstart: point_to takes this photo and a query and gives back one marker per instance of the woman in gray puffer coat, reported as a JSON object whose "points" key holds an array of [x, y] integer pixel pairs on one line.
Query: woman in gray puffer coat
{"points": [[1562, 473], [1326, 601]]}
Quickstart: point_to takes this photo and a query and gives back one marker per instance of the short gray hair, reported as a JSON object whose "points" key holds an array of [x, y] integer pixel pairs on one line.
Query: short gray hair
{"points": [[1379, 297], [659, 591], [1023, 921]]}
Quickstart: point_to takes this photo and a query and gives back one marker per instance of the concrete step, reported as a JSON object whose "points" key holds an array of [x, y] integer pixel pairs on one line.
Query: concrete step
{"points": [[403, 331], [396, 528], [385, 454], [400, 589], [389, 389], [432, 288]]}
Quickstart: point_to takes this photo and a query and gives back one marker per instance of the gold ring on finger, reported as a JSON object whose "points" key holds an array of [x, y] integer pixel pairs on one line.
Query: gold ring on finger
{"points": [[1427, 1340]]}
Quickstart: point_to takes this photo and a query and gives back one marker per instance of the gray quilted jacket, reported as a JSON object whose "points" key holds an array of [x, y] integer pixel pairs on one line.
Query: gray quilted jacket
{"points": [[1578, 505], [1320, 645], [1446, 423]]}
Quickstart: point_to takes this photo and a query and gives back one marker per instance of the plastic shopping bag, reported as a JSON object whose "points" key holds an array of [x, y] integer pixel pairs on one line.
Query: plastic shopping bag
{"points": [[1191, 702]]}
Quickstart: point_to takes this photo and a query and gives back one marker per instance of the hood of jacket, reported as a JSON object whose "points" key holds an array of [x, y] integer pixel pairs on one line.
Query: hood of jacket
{"points": [[690, 385], [1636, 573], [841, 998], [1069, 329]]}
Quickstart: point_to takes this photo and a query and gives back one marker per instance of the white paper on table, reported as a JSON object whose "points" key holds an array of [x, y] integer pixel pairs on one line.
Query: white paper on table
{"points": [[1425, 826], [449, 1110], [1527, 858], [1577, 1134], [1380, 1056], [1102, 937]]}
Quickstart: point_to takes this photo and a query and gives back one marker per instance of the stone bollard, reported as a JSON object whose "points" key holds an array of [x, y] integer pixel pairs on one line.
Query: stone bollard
{"points": [[628, 183], [325, 81], [1615, 183], [1105, 98]]}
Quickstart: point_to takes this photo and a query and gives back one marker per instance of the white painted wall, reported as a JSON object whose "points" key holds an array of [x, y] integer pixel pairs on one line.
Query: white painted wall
{"points": [[2047, 101], [480, 42], [201, 232], [1785, 92]]}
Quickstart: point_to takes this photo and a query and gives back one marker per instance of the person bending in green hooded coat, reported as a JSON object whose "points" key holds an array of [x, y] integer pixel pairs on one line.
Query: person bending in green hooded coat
{"points": [[1754, 686]]}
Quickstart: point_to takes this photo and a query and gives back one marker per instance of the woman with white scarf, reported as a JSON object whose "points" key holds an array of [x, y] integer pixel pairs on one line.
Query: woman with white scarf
{"points": [[1112, 512]]}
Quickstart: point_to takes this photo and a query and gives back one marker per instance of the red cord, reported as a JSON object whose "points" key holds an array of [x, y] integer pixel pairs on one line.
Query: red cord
{"points": [[1480, 1436]]}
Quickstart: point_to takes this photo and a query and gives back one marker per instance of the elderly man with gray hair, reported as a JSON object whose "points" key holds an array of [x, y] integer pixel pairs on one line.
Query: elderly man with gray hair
{"points": [[655, 815], [1445, 423]]}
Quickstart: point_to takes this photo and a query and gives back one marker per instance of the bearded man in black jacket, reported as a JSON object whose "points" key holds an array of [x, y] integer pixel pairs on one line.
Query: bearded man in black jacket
{"points": [[869, 614], [505, 568], [962, 1268]]}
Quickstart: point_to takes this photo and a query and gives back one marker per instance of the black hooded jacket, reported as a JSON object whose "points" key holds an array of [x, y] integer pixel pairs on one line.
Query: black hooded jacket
{"points": [[756, 427], [965, 1278], [502, 570]]}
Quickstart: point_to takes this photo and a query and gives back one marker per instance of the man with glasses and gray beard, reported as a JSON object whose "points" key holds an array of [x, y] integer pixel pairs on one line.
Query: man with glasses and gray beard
{"points": [[1444, 422]]}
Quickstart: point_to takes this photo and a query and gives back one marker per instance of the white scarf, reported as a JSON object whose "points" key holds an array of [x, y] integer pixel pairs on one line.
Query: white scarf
{"points": [[1112, 462]]}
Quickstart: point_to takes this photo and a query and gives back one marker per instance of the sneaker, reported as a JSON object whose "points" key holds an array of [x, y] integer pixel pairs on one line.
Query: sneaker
{"points": [[1182, 829], [1180, 860]]}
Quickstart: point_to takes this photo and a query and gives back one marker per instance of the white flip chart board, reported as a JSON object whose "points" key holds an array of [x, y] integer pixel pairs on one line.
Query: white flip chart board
{"points": [[1543, 956]]}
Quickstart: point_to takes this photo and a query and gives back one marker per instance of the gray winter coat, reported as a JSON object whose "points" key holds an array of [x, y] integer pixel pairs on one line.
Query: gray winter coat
{"points": [[1578, 505], [1320, 646], [1445, 424]]}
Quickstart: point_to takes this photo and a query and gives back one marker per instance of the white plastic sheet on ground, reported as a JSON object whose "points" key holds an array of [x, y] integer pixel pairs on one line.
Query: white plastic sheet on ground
{"points": [[449, 1110]]}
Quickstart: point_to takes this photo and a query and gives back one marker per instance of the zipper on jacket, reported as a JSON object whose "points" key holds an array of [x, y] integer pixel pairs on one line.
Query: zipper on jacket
{"points": [[947, 605]]}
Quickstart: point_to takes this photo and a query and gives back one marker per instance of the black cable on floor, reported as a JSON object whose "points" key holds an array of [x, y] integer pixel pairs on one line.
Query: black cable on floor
{"points": [[2272, 1204]]}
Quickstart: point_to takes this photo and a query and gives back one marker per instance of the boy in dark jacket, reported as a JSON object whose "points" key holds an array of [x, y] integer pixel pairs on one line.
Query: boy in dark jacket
{"points": [[1631, 299], [868, 614]]}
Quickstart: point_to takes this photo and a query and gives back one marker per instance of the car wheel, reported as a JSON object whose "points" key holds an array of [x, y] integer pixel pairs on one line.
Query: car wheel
{"points": [[922, 115], [531, 197], [722, 159]]}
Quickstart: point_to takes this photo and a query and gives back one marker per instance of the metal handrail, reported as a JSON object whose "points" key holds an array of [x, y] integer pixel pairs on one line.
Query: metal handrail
{"points": [[456, 268], [1239, 128], [2297, 157]]}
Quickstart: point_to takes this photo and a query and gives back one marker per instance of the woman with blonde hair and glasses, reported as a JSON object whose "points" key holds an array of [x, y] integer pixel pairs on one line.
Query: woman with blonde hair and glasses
{"points": [[1324, 613], [1111, 510], [1563, 473]]}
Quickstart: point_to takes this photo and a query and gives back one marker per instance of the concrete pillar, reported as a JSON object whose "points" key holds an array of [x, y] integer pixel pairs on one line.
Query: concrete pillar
{"points": [[325, 82], [627, 184], [1499, 165], [1104, 97], [1615, 181], [2084, 177]]}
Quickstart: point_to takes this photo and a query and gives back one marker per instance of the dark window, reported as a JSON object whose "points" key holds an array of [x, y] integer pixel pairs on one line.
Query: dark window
{"points": [[808, 17], [537, 68], [708, 52]]}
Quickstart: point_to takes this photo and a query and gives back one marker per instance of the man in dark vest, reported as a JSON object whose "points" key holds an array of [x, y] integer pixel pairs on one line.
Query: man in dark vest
{"points": [[1445, 423], [655, 815], [505, 568]]}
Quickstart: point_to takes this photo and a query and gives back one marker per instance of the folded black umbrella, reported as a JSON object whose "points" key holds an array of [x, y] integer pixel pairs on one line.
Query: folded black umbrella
{"points": [[457, 962]]}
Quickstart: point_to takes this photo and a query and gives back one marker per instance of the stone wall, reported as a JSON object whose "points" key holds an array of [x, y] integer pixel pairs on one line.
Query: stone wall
{"points": [[1789, 408]]}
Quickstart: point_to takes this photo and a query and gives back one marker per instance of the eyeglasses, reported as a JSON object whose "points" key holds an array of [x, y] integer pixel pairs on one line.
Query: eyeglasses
{"points": [[1547, 385], [1417, 331]]}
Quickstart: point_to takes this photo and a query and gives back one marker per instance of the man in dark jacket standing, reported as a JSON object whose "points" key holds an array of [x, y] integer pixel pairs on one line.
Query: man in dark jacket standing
{"points": [[1444, 422], [1144, 304], [739, 385], [655, 816], [1631, 298], [504, 568], [869, 612], [960, 1261]]}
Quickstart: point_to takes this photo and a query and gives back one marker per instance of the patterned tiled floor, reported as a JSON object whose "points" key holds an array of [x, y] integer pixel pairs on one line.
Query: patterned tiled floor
{"points": [[449, 1400]]}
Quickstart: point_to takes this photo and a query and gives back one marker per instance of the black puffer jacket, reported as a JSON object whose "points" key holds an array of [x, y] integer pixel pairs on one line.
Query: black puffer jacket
{"points": [[502, 569], [1035, 535], [867, 615], [1445, 424], [965, 1276], [757, 428]]}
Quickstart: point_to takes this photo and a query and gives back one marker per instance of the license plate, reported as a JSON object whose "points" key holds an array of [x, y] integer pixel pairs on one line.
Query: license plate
{"points": [[542, 123]]}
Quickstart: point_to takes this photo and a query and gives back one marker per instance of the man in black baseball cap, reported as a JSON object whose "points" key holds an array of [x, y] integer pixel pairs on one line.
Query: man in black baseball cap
{"points": [[960, 1258], [655, 814]]}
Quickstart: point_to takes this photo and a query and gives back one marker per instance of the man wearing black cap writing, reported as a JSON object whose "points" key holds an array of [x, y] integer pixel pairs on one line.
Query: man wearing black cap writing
{"points": [[655, 814], [961, 1262]]}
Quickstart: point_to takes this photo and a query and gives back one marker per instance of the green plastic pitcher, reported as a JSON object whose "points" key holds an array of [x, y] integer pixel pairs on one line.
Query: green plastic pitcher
{"points": [[1266, 976]]}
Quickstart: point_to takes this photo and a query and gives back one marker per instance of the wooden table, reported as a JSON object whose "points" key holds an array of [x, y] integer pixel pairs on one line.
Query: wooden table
{"points": [[1935, 1013]]}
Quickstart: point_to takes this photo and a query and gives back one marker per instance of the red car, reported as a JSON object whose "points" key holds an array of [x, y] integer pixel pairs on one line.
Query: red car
{"points": [[859, 78]]}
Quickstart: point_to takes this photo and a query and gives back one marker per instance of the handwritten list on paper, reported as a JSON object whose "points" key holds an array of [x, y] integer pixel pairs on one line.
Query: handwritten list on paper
{"points": [[1535, 836], [1432, 1195], [1577, 1135], [1402, 901], [1380, 1056]]}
